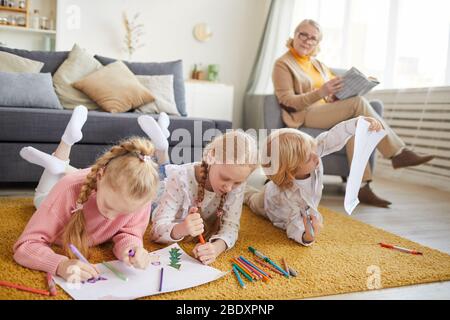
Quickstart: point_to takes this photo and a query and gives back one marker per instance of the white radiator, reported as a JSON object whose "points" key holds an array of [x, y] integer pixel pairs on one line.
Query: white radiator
{"points": [[421, 117]]}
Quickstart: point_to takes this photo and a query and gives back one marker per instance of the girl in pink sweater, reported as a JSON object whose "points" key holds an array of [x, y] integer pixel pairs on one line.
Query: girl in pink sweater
{"points": [[109, 201]]}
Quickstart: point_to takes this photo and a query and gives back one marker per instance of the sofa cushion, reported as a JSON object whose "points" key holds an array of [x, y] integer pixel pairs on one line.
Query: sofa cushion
{"points": [[13, 63], [27, 90], [161, 88], [47, 126], [115, 88], [78, 65], [51, 60], [159, 68]]}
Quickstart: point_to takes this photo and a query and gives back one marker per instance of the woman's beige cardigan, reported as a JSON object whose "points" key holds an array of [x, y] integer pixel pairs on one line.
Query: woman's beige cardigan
{"points": [[294, 90]]}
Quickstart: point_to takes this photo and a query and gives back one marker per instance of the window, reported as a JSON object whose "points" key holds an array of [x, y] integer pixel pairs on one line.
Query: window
{"points": [[404, 43]]}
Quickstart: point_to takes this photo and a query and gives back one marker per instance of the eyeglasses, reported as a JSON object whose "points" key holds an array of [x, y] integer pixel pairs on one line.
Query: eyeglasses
{"points": [[307, 38]]}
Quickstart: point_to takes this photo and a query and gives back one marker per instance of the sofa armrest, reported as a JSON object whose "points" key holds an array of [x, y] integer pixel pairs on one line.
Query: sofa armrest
{"points": [[378, 106], [272, 113]]}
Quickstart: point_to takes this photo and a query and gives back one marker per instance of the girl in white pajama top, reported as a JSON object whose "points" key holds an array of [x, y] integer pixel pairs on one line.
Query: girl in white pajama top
{"points": [[202, 198], [291, 198]]}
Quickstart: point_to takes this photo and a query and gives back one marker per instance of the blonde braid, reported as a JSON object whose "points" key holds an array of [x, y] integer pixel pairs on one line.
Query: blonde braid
{"points": [[75, 231], [204, 172]]}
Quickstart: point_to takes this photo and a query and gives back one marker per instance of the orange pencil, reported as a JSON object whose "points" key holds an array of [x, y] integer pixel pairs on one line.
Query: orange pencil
{"points": [[23, 288], [268, 266], [244, 267]]}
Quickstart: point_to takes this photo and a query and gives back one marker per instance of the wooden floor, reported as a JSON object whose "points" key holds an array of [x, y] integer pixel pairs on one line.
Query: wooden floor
{"points": [[418, 213]]}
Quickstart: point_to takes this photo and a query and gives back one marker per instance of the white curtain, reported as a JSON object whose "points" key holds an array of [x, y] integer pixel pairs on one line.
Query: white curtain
{"points": [[276, 33]]}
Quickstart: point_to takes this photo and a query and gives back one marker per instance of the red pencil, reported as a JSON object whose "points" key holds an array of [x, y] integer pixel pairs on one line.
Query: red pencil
{"points": [[51, 285], [390, 246], [23, 288], [268, 266]]}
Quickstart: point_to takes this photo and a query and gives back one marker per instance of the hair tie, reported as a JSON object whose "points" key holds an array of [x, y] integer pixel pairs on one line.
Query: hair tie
{"points": [[145, 158], [78, 206]]}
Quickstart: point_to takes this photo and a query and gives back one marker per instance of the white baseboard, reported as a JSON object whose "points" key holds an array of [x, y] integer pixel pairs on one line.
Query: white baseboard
{"points": [[412, 176]]}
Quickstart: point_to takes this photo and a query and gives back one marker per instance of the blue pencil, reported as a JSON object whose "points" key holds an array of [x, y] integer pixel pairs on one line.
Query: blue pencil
{"points": [[253, 266], [308, 222], [238, 276], [263, 257]]}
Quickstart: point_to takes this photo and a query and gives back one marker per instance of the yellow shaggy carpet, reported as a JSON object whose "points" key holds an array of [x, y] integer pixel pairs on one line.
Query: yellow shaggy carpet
{"points": [[345, 258]]}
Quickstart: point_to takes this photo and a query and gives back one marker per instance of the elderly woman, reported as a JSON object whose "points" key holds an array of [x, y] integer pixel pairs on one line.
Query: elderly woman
{"points": [[305, 89]]}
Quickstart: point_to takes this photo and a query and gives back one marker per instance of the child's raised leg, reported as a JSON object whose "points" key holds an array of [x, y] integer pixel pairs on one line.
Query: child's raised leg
{"points": [[56, 165], [158, 133]]}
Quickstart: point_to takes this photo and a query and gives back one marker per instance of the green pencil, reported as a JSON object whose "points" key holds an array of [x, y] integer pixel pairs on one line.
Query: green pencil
{"points": [[119, 274], [243, 272]]}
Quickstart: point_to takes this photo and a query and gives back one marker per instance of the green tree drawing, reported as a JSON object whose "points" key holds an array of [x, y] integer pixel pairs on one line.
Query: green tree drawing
{"points": [[175, 258]]}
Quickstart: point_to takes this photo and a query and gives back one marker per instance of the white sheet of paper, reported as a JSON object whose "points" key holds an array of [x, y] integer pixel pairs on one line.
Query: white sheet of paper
{"points": [[365, 143], [143, 283]]}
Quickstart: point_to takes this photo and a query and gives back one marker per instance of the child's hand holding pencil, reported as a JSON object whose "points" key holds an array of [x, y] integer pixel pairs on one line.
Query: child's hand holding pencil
{"points": [[191, 226], [74, 270], [313, 226], [137, 257]]}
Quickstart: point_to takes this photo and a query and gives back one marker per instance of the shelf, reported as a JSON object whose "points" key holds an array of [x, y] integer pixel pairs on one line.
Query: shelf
{"points": [[24, 29], [17, 10]]}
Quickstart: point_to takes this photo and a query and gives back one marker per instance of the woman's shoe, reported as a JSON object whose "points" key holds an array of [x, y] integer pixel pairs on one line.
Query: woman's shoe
{"points": [[408, 158], [367, 196]]}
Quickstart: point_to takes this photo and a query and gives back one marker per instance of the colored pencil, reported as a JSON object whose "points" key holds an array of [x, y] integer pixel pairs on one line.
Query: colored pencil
{"points": [[405, 250], [161, 279], [119, 274], [23, 288], [243, 272], [260, 255], [255, 267], [246, 269], [51, 285], [255, 270], [268, 266], [286, 267], [78, 254], [256, 273], [236, 272]]}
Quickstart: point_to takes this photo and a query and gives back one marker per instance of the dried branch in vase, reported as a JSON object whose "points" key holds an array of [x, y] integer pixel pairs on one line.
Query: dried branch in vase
{"points": [[133, 32]]}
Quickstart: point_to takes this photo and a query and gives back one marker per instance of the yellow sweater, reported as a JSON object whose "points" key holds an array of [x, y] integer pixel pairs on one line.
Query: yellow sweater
{"points": [[307, 66]]}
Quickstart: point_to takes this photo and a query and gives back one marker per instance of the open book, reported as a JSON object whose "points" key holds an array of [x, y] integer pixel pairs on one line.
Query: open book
{"points": [[355, 84]]}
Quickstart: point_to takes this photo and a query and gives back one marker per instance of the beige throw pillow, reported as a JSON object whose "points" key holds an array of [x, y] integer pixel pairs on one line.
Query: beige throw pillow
{"points": [[115, 88], [11, 63], [161, 87], [78, 65]]}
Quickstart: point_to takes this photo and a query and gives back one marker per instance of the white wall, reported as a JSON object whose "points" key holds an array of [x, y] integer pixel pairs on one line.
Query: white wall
{"points": [[237, 27]]}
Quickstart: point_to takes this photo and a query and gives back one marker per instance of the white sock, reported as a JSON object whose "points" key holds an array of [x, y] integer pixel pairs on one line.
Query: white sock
{"points": [[154, 132], [49, 162], [164, 122], [73, 133]]}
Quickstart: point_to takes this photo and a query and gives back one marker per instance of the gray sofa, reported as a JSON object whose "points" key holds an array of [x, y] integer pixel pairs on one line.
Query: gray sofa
{"points": [[264, 112], [42, 128]]}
